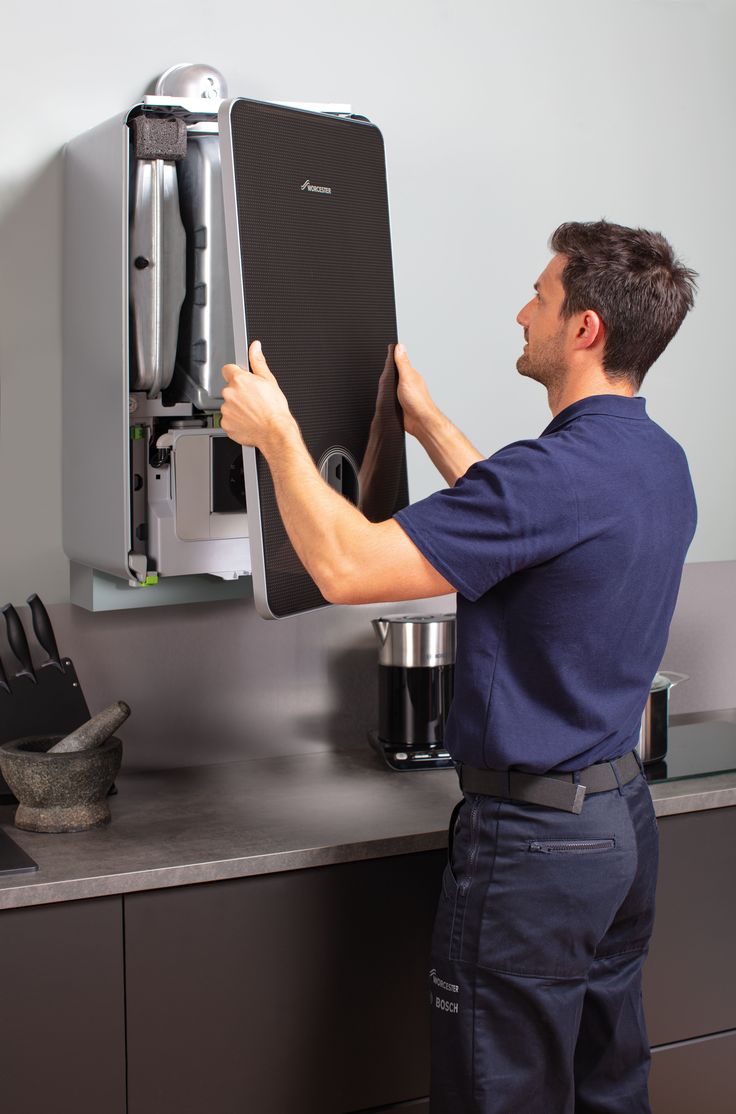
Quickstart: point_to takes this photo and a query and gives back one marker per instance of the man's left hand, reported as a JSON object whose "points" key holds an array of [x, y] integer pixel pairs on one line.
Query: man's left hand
{"points": [[254, 408]]}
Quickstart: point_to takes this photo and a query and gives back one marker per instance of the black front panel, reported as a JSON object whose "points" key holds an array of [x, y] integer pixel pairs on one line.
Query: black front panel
{"points": [[319, 295]]}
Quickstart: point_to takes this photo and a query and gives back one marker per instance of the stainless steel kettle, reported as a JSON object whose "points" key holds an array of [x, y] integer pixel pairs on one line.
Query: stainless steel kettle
{"points": [[416, 666]]}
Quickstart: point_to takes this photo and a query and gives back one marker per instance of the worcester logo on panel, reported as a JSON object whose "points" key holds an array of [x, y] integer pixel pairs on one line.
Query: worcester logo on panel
{"points": [[316, 189]]}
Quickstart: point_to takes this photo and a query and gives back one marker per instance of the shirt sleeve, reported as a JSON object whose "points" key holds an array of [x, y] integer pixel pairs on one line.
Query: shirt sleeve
{"points": [[512, 511]]}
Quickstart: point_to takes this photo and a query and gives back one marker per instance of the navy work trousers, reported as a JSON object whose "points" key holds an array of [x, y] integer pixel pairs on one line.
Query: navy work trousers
{"points": [[542, 929]]}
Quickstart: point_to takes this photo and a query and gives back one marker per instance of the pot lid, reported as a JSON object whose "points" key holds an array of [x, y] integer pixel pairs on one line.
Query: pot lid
{"points": [[667, 681]]}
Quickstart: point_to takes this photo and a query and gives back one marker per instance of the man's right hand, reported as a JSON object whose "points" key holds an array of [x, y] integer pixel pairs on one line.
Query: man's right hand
{"points": [[414, 397]]}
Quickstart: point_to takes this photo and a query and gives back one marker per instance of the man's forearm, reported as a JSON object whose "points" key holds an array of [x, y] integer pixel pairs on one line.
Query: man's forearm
{"points": [[449, 450], [325, 529], [350, 558]]}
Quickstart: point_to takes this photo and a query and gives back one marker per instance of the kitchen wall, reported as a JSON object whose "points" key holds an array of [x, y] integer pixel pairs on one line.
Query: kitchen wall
{"points": [[500, 120], [212, 683]]}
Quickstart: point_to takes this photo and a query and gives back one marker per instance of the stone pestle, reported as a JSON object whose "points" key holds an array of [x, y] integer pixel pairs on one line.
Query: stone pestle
{"points": [[94, 731]]}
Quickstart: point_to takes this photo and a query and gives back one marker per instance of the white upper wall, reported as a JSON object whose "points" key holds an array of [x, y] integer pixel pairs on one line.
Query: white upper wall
{"points": [[501, 120]]}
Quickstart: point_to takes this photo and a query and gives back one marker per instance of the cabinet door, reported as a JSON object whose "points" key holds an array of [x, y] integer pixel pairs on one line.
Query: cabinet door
{"points": [[298, 993], [690, 975], [62, 1022], [695, 1078]]}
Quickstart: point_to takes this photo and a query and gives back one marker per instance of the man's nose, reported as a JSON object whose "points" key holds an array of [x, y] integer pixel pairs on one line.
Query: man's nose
{"points": [[522, 317]]}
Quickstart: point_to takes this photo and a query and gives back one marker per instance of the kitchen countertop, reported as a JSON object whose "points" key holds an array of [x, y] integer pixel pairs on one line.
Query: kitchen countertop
{"points": [[260, 816]]}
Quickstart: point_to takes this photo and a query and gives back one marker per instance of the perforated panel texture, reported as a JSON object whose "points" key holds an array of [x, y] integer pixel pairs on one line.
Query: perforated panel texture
{"points": [[319, 295]]}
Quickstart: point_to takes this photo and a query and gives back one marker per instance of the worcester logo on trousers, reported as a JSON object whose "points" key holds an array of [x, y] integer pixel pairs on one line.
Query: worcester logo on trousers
{"points": [[443, 1004]]}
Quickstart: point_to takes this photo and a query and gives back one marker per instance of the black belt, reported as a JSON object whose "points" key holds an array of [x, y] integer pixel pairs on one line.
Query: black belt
{"points": [[562, 791]]}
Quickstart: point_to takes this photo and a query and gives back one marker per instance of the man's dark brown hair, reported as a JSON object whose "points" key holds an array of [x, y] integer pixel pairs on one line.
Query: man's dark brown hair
{"points": [[634, 282]]}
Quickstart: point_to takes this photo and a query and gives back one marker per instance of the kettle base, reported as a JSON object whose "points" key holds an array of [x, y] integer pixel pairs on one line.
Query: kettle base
{"points": [[432, 757]]}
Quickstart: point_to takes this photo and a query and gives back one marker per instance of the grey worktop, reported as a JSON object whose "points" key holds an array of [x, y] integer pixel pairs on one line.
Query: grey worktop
{"points": [[207, 823]]}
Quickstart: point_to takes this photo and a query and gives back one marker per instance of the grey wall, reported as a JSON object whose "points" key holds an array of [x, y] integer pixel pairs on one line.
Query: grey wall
{"points": [[702, 639], [500, 121], [215, 683]]}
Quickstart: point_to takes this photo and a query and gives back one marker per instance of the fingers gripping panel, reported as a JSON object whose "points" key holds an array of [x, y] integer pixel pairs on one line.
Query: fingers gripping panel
{"points": [[319, 294]]}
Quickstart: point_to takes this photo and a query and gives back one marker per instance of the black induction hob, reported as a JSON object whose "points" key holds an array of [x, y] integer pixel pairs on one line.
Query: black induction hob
{"points": [[696, 750]]}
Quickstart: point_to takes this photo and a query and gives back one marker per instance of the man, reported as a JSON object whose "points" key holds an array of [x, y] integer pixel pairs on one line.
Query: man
{"points": [[566, 552]]}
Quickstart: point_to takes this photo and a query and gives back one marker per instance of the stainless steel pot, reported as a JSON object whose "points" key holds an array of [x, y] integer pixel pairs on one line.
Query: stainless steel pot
{"points": [[652, 746]]}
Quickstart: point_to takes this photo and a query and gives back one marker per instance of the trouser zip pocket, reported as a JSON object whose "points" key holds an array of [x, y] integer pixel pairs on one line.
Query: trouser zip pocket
{"points": [[473, 848], [467, 867], [574, 846]]}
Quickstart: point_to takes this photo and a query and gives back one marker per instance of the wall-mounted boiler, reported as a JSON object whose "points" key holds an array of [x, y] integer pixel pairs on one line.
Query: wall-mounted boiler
{"points": [[191, 224]]}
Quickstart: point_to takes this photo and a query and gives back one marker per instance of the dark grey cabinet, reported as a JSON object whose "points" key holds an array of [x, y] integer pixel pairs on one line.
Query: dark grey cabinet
{"points": [[697, 1077], [62, 1020], [300, 993], [306, 992], [690, 975]]}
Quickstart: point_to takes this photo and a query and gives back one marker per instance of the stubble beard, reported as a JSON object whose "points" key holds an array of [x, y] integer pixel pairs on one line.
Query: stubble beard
{"points": [[547, 365]]}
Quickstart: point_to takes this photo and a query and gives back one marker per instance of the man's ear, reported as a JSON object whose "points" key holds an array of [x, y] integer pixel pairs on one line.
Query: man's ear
{"points": [[589, 330]]}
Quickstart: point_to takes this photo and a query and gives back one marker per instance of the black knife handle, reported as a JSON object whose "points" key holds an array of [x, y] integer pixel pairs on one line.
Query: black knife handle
{"points": [[4, 684], [43, 630], [18, 641]]}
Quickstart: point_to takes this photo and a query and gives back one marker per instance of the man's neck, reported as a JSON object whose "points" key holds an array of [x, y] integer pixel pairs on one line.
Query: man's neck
{"points": [[573, 388]]}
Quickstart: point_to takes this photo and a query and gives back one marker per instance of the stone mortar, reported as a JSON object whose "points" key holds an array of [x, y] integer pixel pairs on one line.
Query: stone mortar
{"points": [[65, 792]]}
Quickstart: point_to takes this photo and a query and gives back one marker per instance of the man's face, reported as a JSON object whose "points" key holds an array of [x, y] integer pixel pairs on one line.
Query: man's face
{"points": [[545, 352]]}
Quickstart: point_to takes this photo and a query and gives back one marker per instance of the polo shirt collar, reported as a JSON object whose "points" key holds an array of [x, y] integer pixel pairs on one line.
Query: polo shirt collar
{"points": [[613, 406]]}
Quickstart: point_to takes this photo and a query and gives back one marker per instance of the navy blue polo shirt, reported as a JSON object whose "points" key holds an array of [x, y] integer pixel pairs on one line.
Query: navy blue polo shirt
{"points": [[566, 553]]}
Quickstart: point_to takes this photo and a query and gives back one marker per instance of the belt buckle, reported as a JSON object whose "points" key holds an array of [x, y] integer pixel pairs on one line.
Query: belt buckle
{"points": [[578, 799], [553, 792], [568, 796]]}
